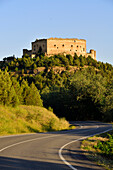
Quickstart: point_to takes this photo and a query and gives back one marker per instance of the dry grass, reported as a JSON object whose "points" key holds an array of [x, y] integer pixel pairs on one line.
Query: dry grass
{"points": [[27, 119]]}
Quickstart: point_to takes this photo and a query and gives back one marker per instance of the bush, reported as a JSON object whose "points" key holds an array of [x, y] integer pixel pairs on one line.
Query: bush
{"points": [[106, 147]]}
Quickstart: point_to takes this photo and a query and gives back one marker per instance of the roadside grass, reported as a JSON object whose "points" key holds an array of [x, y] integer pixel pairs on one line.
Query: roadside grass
{"points": [[99, 148], [29, 119]]}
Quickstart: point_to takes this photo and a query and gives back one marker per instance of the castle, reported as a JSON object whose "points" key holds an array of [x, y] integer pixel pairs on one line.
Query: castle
{"points": [[52, 46]]}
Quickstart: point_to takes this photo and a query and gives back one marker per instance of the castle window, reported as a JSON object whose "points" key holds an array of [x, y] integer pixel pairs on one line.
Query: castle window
{"points": [[80, 46], [62, 45], [70, 50], [71, 45], [34, 49], [83, 49], [37, 45], [55, 45], [43, 45], [77, 46], [74, 41]]}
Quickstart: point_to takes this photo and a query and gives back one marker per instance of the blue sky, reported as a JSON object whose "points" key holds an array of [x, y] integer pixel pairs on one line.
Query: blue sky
{"points": [[23, 21]]}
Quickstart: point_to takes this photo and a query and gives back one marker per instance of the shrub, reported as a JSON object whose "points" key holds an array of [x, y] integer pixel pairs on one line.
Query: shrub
{"points": [[106, 147]]}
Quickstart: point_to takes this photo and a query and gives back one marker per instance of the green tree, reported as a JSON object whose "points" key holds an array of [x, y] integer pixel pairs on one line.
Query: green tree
{"points": [[70, 59], [16, 69], [33, 97], [22, 71], [25, 90], [18, 89], [76, 62], [8, 95], [82, 61]]}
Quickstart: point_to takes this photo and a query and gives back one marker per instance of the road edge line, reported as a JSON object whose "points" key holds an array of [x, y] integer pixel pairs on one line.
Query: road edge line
{"points": [[61, 149]]}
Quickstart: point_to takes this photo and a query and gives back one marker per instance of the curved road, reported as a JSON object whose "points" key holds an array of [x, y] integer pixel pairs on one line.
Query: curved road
{"points": [[49, 151]]}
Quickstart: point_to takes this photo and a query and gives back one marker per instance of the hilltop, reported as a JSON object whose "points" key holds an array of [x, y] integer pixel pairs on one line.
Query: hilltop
{"points": [[77, 88]]}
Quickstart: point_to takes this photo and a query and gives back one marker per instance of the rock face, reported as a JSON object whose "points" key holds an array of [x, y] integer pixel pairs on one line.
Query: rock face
{"points": [[52, 46]]}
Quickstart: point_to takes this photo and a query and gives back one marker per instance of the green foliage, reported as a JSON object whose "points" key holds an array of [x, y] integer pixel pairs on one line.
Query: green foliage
{"points": [[80, 86], [22, 71], [16, 69], [70, 59], [84, 93], [12, 93], [33, 97], [50, 109], [106, 147], [7, 92], [76, 62], [57, 60], [100, 149]]}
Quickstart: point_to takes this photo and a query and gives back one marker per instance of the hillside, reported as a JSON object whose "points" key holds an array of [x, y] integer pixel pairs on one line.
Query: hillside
{"points": [[76, 88], [27, 119]]}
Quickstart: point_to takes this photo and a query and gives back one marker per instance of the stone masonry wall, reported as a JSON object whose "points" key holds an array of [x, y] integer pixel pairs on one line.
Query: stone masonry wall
{"points": [[39, 43], [66, 46], [52, 46], [92, 53]]}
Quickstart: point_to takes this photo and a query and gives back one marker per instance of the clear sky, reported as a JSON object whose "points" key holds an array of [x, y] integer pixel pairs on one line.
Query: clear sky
{"points": [[23, 21]]}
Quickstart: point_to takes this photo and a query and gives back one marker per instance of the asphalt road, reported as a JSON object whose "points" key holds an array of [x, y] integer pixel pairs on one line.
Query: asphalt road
{"points": [[49, 151]]}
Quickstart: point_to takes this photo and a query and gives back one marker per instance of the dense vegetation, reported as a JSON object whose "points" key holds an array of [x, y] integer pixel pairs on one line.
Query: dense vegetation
{"points": [[106, 147], [13, 93], [82, 90]]}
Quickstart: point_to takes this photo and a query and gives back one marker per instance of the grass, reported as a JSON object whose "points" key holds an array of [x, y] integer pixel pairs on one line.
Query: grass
{"points": [[96, 153], [28, 119]]}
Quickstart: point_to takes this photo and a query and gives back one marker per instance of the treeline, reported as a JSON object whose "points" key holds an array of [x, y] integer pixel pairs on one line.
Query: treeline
{"points": [[13, 93], [26, 63], [85, 94]]}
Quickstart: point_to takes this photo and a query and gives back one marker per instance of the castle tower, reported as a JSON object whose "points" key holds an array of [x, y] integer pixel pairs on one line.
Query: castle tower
{"points": [[93, 54]]}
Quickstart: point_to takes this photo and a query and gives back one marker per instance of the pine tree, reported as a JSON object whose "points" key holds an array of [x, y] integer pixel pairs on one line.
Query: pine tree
{"points": [[8, 95], [18, 89], [25, 90], [33, 98]]}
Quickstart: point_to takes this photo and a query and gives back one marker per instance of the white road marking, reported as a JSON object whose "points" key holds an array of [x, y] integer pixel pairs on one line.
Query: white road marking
{"points": [[30, 140], [18, 135], [61, 149]]}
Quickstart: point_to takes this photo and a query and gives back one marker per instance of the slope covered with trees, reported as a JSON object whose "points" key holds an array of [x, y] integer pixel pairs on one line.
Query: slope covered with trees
{"points": [[79, 89], [14, 93]]}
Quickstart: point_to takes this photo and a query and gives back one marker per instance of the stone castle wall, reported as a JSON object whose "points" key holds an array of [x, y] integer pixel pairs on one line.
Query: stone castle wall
{"points": [[25, 51], [54, 46], [92, 53], [39, 43], [66, 46]]}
